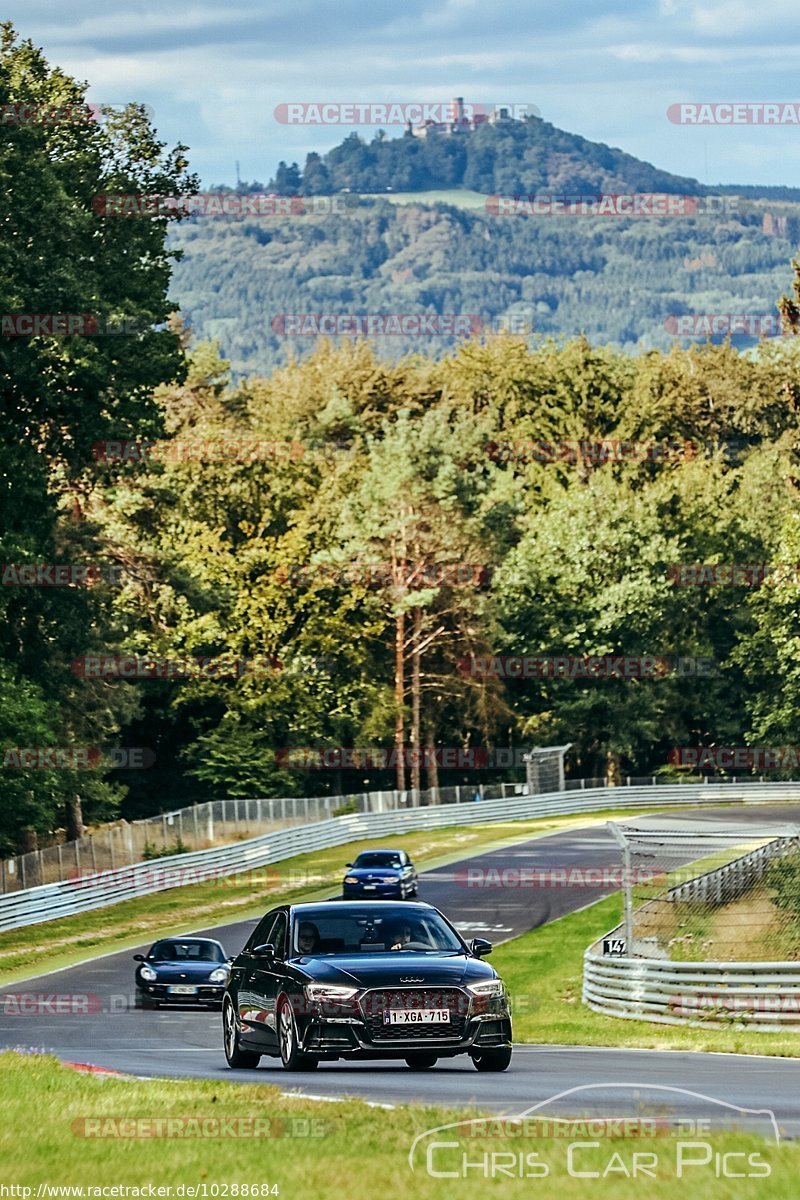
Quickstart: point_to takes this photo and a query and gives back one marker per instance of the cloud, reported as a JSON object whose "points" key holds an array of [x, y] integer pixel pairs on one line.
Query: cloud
{"points": [[605, 69]]}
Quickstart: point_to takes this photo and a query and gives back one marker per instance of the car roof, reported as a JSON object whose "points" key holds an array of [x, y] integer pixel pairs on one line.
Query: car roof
{"points": [[186, 937], [383, 850], [337, 906]]}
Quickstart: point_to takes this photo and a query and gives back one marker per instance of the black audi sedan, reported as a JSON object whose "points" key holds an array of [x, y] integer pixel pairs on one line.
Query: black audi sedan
{"points": [[377, 874], [181, 970], [364, 980]]}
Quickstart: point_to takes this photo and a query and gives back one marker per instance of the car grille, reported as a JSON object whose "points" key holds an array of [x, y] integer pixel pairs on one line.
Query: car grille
{"points": [[375, 1003]]}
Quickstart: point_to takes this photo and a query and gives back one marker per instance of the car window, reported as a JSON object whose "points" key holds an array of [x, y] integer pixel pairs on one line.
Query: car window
{"points": [[357, 930], [278, 934], [378, 859], [260, 935], [184, 950]]}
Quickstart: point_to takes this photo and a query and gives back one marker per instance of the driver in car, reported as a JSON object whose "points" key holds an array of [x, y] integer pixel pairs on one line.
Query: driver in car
{"points": [[402, 937], [307, 938]]}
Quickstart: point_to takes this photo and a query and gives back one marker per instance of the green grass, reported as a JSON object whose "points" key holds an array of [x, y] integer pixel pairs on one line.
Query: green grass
{"points": [[52, 944], [543, 970], [459, 197], [312, 1149]]}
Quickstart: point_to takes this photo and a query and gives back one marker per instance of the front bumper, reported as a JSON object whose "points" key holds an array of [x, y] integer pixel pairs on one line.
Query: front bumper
{"points": [[348, 1039], [360, 1033], [207, 993], [376, 891]]}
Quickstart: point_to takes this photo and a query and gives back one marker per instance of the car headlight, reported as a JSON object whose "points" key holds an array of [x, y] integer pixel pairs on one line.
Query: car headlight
{"points": [[328, 991], [492, 987], [218, 976], [351, 879], [148, 974]]}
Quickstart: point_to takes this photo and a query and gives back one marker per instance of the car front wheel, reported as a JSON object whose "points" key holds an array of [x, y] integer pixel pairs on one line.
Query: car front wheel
{"points": [[236, 1057], [292, 1057], [492, 1060]]}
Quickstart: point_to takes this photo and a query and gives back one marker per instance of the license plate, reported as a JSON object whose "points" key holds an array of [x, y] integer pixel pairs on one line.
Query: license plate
{"points": [[416, 1016], [182, 989], [369, 887]]}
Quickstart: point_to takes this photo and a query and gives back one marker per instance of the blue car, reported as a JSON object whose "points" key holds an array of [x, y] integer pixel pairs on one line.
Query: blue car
{"points": [[380, 874]]}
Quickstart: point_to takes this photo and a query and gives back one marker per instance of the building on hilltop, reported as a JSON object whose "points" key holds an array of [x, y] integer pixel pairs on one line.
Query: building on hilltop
{"points": [[458, 122]]}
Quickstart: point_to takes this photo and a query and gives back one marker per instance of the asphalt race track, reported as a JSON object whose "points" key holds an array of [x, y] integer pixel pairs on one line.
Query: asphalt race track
{"points": [[187, 1043]]}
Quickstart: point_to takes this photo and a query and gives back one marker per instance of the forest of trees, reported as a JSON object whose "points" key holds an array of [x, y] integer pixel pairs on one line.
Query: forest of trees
{"points": [[617, 280], [513, 157], [255, 527]]}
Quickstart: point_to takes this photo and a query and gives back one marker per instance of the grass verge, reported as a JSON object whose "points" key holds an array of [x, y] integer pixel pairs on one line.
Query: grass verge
{"points": [[46, 947], [304, 1148], [543, 970]]}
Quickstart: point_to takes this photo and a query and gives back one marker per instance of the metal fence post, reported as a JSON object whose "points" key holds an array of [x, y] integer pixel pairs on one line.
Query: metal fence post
{"points": [[627, 896]]}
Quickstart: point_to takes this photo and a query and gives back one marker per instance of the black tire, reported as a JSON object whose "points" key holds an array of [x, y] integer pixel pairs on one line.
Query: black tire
{"points": [[421, 1062], [142, 1001], [492, 1060], [292, 1058], [237, 1058]]}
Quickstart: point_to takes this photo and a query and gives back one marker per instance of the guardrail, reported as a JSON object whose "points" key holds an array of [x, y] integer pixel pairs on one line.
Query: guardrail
{"points": [[70, 897], [712, 994], [215, 822]]}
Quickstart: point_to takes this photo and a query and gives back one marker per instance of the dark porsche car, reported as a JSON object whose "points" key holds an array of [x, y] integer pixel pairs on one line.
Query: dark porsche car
{"points": [[369, 980], [376, 874], [181, 970]]}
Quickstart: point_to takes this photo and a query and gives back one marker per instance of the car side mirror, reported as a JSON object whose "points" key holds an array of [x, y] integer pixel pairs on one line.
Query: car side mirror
{"points": [[480, 947], [138, 958], [267, 950], [348, 864]]}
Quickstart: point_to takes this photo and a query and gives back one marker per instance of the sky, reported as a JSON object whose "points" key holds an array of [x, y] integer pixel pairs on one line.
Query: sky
{"points": [[214, 73]]}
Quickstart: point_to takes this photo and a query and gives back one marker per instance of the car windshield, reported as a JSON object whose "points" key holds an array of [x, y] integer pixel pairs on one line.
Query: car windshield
{"points": [[378, 858], [354, 929], [184, 950]]}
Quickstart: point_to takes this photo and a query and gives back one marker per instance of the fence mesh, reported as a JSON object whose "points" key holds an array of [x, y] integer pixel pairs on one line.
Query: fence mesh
{"points": [[693, 894]]}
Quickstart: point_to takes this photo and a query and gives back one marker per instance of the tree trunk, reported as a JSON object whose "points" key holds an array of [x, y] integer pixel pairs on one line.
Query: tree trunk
{"points": [[74, 820], [431, 765], [30, 840], [612, 769], [416, 743], [399, 700]]}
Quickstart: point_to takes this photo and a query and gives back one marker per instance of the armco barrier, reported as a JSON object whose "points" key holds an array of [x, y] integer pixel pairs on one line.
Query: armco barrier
{"points": [[716, 995], [54, 900], [712, 994]]}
